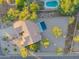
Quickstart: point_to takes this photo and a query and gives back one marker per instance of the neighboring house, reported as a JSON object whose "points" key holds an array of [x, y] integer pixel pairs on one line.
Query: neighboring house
{"points": [[29, 30]]}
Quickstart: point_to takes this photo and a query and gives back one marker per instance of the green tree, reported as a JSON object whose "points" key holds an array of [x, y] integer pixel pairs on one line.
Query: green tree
{"points": [[10, 16], [20, 4], [68, 7], [34, 7], [57, 31], [34, 16], [24, 14]]}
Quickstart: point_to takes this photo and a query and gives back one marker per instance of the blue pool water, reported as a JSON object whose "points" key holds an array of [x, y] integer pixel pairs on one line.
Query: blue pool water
{"points": [[52, 3], [43, 26]]}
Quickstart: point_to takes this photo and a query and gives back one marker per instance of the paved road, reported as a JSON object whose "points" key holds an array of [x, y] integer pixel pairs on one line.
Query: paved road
{"points": [[43, 57]]}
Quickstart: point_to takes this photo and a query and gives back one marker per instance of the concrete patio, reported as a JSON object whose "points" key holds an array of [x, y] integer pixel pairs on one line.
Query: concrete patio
{"points": [[62, 22]]}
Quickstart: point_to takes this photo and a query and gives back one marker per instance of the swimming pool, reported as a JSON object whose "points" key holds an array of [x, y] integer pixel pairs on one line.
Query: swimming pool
{"points": [[42, 26], [51, 3]]}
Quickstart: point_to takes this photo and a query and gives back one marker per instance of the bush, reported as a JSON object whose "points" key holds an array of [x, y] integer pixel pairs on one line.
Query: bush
{"points": [[45, 42], [59, 51], [76, 38], [5, 51], [34, 47], [5, 38]]}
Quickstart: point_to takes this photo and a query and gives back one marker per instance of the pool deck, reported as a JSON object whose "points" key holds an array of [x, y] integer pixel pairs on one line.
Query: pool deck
{"points": [[54, 42]]}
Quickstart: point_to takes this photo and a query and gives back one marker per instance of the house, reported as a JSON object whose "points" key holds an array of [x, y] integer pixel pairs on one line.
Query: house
{"points": [[28, 30], [21, 34]]}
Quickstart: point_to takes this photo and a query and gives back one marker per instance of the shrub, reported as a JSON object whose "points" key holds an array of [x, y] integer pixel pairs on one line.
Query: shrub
{"points": [[71, 20], [34, 47], [76, 38], [59, 51], [23, 52], [45, 42]]}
